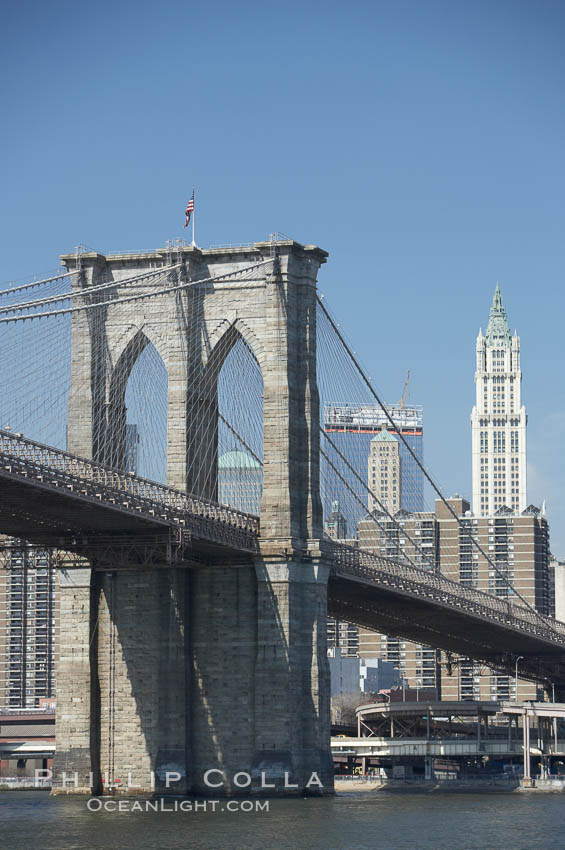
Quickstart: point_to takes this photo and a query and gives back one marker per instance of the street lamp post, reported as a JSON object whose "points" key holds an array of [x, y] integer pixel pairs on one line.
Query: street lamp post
{"points": [[418, 686], [520, 658]]}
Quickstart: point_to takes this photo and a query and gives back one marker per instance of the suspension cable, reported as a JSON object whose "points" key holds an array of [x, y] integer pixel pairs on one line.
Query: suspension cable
{"points": [[38, 282], [138, 297], [367, 381], [65, 296]]}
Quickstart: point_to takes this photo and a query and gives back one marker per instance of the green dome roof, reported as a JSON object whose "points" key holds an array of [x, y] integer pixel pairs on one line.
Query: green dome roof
{"points": [[237, 460]]}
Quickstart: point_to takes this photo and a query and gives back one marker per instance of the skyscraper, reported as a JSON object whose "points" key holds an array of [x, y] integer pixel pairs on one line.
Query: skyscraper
{"points": [[384, 474], [132, 448], [517, 544], [240, 479], [351, 427], [29, 611], [498, 419], [336, 524]]}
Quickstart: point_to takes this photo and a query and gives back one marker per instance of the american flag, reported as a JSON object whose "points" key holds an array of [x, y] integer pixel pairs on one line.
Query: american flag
{"points": [[189, 209]]}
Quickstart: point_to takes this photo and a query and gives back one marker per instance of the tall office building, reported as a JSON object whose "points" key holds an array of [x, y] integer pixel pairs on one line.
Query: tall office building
{"points": [[336, 524], [498, 419], [132, 448], [517, 544], [340, 633], [240, 480], [414, 536], [28, 624], [352, 427], [379, 459], [384, 474]]}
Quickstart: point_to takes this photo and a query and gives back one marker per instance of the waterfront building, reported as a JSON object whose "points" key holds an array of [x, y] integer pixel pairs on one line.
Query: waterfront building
{"points": [[27, 743], [413, 537], [517, 544], [498, 419], [344, 672], [457, 544], [344, 636], [29, 611], [351, 674], [378, 675], [557, 588]]}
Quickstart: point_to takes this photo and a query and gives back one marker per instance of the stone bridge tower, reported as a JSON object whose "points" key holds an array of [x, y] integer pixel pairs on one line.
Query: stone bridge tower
{"points": [[168, 673]]}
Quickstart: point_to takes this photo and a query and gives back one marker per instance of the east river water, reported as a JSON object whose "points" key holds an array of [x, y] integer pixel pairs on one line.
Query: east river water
{"points": [[349, 821]]}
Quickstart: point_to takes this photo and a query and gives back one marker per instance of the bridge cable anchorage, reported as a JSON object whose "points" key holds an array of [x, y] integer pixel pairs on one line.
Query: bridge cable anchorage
{"points": [[331, 343]]}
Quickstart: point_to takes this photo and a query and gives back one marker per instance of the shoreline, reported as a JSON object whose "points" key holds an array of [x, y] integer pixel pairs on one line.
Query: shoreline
{"points": [[450, 786]]}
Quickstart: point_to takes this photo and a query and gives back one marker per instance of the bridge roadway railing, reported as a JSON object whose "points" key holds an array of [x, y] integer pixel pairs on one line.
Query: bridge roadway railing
{"points": [[28, 459], [432, 585]]}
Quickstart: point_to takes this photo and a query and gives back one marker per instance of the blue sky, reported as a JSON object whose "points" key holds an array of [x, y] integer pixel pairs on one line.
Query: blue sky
{"points": [[420, 143]]}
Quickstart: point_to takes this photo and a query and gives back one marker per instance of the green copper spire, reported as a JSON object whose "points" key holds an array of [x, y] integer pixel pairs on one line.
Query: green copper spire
{"points": [[498, 332]]}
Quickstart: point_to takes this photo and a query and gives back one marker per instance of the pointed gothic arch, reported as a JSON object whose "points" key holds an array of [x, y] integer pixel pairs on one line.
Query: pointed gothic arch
{"points": [[133, 346], [217, 426]]}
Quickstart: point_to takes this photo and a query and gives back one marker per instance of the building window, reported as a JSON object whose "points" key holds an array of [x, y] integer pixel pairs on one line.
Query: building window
{"points": [[499, 442]]}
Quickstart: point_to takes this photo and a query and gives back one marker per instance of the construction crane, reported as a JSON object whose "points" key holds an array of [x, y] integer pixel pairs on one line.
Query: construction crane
{"points": [[403, 399]]}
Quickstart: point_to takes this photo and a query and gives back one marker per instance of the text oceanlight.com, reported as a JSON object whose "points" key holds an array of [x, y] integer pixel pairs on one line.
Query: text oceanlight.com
{"points": [[101, 804]]}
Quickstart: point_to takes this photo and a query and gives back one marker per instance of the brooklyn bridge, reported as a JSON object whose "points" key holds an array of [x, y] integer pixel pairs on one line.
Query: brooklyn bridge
{"points": [[194, 600]]}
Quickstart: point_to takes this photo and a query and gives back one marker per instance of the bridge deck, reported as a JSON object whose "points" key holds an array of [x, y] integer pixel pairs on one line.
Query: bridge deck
{"points": [[426, 607], [57, 499], [49, 496]]}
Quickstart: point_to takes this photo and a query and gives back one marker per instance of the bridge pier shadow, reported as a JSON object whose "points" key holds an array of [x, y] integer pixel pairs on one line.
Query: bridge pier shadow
{"points": [[292, 676], [121, 686], [168, 674]]}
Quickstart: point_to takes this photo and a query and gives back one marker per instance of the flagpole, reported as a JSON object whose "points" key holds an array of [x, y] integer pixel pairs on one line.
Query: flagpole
{"points": [[193, 214]]}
